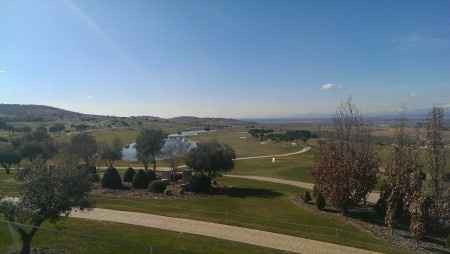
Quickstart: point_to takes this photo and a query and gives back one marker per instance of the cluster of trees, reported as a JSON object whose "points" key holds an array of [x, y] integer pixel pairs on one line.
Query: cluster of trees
{"points": [[4, 125], [290, 135], [58, 177], [260, 133], [407, 193], [54, 178], [57, 127], [347, 169]]}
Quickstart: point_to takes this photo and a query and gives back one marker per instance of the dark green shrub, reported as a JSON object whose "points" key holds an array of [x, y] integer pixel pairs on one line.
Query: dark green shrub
{"points": [[315, 191], [200, 184], [380, 207], [141, 179], [111, 179], [129, 175], [157, 186], [306, 197], [151, 175], [92, 170], [320, 201], [448, 241]]}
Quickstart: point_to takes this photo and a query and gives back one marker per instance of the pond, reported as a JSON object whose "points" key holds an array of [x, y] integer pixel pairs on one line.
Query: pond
{"points": [[129, 152]]}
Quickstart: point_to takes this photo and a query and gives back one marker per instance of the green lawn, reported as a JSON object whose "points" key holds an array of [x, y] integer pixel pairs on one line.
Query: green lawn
{"points": [[8, 185], [257, 205], [82, 237], [244, 144], [127, 136], [252, 204], [297, 167]]}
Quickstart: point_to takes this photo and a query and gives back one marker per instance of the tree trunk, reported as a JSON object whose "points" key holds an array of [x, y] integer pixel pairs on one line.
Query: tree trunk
{"points": [[26, 245], [154, 165]]}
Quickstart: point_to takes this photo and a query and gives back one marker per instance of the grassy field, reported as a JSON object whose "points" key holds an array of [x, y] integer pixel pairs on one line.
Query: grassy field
{"points": [[244, 144], [246, 203], [82, 236], [8, 185], [256, 205], [297, 167]]}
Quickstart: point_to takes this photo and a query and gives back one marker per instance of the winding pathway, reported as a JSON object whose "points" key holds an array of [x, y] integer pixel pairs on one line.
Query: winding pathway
{"points": [[372, 198], [220, 231], [304, 150]]}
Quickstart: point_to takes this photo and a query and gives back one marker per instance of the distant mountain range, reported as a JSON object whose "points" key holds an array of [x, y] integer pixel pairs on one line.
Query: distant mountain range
{"points": [[20, 112], [413, 115]]}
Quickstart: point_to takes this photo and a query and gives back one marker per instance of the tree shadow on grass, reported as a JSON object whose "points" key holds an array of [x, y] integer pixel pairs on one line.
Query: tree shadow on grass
{"points": [[240, 192]]}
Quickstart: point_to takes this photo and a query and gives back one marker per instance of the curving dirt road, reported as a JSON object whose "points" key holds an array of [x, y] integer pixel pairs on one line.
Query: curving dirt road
{"points": [[220, 231], [372, 198], [304, 150]]}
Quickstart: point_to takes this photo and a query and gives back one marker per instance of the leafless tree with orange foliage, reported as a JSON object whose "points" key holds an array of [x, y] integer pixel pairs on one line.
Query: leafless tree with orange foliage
{"points": [[347, 167]]}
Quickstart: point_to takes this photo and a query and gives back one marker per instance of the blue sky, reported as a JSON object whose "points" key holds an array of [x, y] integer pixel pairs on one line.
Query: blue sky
{"points": [[224, 58]]}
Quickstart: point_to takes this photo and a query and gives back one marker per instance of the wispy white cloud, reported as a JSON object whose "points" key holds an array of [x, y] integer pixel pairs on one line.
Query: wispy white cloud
{"points": [[2, 70], [328, 86], [422, 40], [412, 94], [90, 97]]}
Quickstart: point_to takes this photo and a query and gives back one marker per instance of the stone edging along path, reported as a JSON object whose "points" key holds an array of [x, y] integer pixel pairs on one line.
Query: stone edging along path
{"points": [[219, 231]]}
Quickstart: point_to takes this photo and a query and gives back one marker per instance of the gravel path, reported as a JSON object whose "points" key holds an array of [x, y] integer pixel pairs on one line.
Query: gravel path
{"points": [[220, 231], [372, 198]]}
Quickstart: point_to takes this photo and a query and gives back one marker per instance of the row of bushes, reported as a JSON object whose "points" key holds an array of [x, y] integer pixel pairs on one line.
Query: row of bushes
{"points": [[319, 199], [140, 179]]}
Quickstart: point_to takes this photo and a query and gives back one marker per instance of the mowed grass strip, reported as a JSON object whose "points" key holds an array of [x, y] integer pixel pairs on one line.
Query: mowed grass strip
{"points": [[83, 236], [257, 205]]}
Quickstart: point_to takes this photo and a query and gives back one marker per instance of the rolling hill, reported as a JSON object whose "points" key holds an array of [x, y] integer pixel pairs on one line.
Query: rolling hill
{"points": [[42, 113]]}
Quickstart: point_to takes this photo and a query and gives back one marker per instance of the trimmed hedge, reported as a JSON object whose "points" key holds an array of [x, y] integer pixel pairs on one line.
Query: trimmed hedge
{"points": [[157, 186], [200, 184], [111, 179], [306, 197], [129, 175], [141, 180], [320, 201], [151, 175], [93, 174]]}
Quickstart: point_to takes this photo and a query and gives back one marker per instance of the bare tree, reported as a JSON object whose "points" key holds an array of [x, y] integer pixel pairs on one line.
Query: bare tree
{"points": [[347, 169], [437, 163], [404, 177]]}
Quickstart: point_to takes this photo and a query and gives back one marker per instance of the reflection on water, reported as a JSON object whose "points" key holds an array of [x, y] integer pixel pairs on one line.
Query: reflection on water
{"points": [[129, 152]]}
